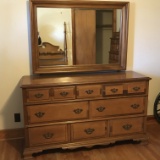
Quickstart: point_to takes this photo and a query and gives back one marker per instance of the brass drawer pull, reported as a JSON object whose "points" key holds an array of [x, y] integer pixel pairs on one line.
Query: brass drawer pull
{"points": [[114, 90], [48, 135], [40, 114], [135, 106], [77, 111], [89, 130], [89, 91], [136, 88], [64, 94], [127, 126], [38, 95], [101, 109]]}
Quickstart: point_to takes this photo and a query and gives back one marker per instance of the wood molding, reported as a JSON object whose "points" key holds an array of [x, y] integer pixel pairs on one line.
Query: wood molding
{"points": [[19, 133], [12, 134]]}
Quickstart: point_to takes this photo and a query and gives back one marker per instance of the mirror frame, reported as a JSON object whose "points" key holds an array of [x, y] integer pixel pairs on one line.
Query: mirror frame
{"points": [[34, 4]]}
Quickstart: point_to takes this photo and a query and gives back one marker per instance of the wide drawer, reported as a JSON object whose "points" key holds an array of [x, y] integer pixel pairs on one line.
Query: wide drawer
{"points": [[88, 130], [38, 95], [88, 91], [47, 134], [111, 107], [136, 87], [63, 93], [126, 126], [57, 112]]}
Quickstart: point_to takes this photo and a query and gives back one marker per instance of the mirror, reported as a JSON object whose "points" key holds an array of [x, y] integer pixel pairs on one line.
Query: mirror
{"points": [[78, 36]]}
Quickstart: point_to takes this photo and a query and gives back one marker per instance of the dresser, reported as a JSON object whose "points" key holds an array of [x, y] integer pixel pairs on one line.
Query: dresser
{"points": [[114, 48], [83, 110]]}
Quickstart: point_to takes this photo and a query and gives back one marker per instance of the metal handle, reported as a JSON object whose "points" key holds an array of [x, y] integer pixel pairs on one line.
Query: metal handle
{"points": [[40, 114], [135, 106], [101, 109], [89, 130], [127, 126], [136, 88], [114, 90], [64, 94], [38, 95], [77, 111], [89, 91], [48, 135]]}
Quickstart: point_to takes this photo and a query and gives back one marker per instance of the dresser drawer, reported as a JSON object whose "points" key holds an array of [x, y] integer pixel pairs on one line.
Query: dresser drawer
{"points": [[113, 90], [48, 134], [38, 95], [88, 130], [57, 112], [88, 91], [102, 108], [136, 87], [63, 93], [126, 126]]}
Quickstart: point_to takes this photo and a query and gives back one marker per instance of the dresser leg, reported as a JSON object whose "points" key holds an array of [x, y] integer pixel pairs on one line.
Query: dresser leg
{"points": [[27, 155]]}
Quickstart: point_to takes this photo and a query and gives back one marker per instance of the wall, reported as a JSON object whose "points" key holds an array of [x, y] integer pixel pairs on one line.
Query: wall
{"points": [[15, 61]]}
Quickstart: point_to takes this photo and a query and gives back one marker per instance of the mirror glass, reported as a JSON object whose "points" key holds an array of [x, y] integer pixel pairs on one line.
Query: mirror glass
{"points": [[78, 36], [55, 29]]}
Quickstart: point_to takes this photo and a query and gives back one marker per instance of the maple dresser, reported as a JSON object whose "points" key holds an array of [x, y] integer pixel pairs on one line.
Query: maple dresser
{"points": [[83, 110]]}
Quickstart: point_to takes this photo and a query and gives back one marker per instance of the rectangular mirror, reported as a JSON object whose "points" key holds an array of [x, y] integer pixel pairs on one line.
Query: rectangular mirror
{"points": [[78, 36]]}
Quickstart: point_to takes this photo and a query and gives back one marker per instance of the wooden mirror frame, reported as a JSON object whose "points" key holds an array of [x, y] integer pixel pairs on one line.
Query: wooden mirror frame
{"points": [[79, 4]]}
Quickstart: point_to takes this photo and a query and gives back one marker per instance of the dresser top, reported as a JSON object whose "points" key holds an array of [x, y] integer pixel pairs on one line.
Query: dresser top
{"points": [[83, 78]]}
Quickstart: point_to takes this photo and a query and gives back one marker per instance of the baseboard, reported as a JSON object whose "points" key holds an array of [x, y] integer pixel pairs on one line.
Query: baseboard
{"points": [[19, 133], [11, 134]]}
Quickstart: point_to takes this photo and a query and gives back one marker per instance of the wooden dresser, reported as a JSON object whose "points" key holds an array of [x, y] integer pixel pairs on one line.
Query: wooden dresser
{"points": [[70, 111]]}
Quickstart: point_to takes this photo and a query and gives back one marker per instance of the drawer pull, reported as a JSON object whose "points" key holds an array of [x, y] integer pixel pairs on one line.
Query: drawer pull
{"points": [[136, 88], [64, 94], [39, 114], [48, 135], [101, 109], [135, 106], [114, 90], [127, 126], [89, 91], [38, 95], [77, 111], [89, 130]]}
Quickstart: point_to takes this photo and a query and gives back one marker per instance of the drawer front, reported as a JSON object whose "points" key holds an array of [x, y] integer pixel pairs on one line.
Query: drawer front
{"points": [[113, 90], [88, 130], [48, 134], [38, 95], [87, 91], [62, 93], [57, 112], [137, 87], [126, 126], [102, 108]]}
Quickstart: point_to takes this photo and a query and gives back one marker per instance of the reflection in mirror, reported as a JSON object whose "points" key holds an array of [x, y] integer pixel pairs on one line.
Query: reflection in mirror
{"points": [[96, 36], [55, 36]]}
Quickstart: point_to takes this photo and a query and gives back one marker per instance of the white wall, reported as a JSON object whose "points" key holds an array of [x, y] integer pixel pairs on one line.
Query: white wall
{"points": [[15, 61]]}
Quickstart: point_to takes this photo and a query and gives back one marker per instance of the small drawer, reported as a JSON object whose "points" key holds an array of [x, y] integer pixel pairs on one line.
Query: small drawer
{"points": [[63, 93], [88, 91], [88, 130], [38, 95], [113, 90], [136, 87], [57, 112], [126, 126], [47, 135], [112, 107]]}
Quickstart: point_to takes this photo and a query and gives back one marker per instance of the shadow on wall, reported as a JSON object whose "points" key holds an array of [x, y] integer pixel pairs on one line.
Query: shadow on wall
{"points": [[12, 106]]}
